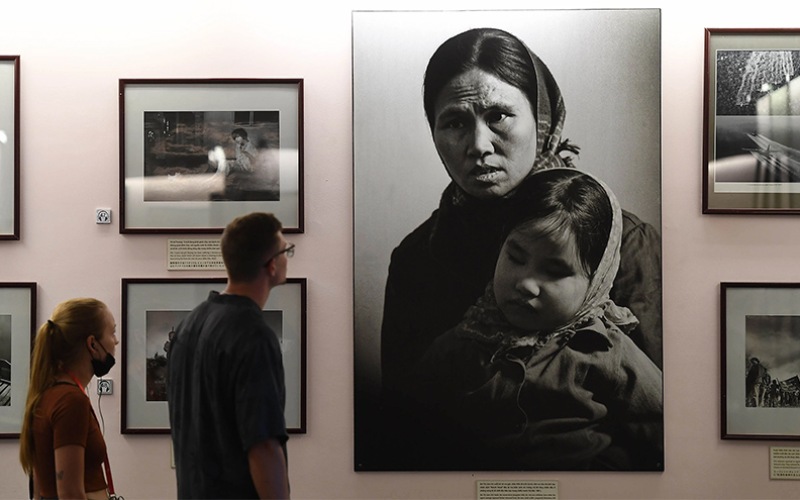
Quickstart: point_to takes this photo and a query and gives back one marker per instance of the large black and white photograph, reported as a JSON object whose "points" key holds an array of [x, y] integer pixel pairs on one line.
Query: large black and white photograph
{"points": [[17, 329], [751, 149], [507, 248], [159, 332], [212, 156], [196, 153], [9, 147], [760, 360]]}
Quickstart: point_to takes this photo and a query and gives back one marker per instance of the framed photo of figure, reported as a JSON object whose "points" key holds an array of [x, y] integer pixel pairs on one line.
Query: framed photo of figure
{"points": [[751, 151], [9, 147], [448, 126], [152, 309], [196, 153], [17, 331], [760, 360]]}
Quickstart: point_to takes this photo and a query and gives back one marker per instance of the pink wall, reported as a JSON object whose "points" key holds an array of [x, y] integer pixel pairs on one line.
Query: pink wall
{"points": [[73, 54]]}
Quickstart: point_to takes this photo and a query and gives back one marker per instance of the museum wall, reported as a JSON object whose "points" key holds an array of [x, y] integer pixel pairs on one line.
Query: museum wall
{"points": [[72, 57]]}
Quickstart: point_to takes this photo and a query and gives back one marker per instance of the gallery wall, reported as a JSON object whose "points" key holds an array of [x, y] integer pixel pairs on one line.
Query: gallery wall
{"points": [[72, 57]]}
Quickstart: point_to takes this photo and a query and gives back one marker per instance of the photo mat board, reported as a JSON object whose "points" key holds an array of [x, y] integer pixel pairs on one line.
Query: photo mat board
{"points": [[751, 154], [152, 310], [399, 178], [9, 147], [760, 359], [17, 331], [194, 154]]}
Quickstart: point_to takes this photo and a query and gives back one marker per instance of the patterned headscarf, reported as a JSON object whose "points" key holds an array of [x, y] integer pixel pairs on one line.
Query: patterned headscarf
{"points": [[597, 305]]}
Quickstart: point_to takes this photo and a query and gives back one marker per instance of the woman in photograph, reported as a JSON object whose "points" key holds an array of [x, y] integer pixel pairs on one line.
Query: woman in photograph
{"points": [[496, 115], [61, 444]]}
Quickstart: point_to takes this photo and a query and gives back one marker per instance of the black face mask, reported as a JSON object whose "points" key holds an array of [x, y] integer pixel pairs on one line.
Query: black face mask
{"points": [[101, 368]]}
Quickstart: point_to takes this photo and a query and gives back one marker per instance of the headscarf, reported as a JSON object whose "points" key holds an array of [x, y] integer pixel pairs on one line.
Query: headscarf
{"points": [[485, 316]]}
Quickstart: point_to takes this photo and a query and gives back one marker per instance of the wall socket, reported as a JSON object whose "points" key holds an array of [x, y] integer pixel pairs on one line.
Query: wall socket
{"points": [[105, 386]]}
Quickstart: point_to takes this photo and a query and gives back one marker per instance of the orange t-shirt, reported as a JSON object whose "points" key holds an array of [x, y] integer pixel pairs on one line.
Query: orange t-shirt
{"points": [[64, 417]]}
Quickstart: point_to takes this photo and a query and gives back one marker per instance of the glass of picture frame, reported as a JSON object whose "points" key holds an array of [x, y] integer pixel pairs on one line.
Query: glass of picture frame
{"points": [[196, 153], [760, 341], [751, 150], [152, 308], [17, 331], [9, 147]]}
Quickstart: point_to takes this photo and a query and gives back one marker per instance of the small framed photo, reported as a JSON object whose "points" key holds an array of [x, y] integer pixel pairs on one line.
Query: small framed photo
{"points": [[760, 360], [17, 330], [195, 154], [9, 147], [751, 149], [151, 312]]}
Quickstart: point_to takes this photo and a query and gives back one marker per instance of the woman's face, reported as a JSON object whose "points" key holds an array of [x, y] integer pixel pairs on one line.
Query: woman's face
{"points": [[539, 282], [485, 134], [108, 338]]}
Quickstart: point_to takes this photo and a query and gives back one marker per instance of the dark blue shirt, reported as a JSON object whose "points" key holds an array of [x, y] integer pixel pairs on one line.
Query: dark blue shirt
{"points": [[226, 392]]}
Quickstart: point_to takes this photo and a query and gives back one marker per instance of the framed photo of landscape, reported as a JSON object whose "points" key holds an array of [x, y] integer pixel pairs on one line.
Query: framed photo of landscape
{"points": [[9, 147], [153, 308], [760, 361], [17, 330], [196, 153], [751, 149]]}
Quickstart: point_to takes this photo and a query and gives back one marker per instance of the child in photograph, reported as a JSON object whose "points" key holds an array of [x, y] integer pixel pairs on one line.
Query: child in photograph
{"points": [[541, 374]]}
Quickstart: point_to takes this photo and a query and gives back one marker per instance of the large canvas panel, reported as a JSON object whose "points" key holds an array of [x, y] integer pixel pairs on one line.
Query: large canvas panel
{"points": [[607, 65]]}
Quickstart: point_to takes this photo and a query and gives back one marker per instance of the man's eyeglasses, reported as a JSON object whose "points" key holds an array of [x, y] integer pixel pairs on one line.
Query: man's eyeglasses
{"points": [[289, 251]]}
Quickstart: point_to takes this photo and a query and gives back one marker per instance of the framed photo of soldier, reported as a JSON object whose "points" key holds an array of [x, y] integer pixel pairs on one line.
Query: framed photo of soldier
{"points": [[759, 358], [152, 309]]}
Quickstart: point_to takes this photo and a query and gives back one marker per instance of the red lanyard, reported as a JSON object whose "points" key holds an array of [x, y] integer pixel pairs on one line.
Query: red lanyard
{"points": [[106, 466]]}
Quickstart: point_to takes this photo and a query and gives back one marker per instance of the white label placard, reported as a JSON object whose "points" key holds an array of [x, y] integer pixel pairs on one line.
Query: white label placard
{"points": [[784, 463], [517, 490], [194, 255]]}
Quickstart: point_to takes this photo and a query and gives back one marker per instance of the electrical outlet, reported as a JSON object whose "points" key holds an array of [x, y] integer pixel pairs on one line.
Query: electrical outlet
{"points": [[105, 386]]}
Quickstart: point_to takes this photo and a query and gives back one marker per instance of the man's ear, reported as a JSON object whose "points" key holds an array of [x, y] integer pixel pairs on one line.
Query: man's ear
{"points": [[271, 267]]}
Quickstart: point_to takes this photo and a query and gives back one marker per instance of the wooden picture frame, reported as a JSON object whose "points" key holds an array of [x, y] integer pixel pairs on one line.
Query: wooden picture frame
{"points": [[196, 153], [17, 331], [152, 308], [760, 342], [751, 153], [9, 148]]}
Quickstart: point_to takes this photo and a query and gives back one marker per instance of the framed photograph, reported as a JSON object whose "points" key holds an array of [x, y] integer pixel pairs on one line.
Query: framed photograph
{"points": [[195, 154], [760, 360], [17, 330], [751, 149], [428, 226], [152, 310], [9, 147]]}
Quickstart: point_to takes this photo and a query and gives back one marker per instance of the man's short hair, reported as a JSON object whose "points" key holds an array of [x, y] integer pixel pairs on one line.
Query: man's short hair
{"points": [[240, 132], [246, 241]]}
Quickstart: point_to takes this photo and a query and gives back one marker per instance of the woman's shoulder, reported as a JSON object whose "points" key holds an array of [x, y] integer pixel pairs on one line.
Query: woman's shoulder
{"points": [[63, 396]]}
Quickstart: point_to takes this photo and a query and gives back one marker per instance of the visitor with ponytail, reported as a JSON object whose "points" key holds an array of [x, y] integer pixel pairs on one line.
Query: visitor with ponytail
{"points": [[61, 444]]}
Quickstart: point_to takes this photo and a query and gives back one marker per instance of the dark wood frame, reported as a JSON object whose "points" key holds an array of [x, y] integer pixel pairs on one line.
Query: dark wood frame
{"points": [[728, 366], [250, 206], [745, 202], [300, 428], [15, 232], [32, 287]]}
